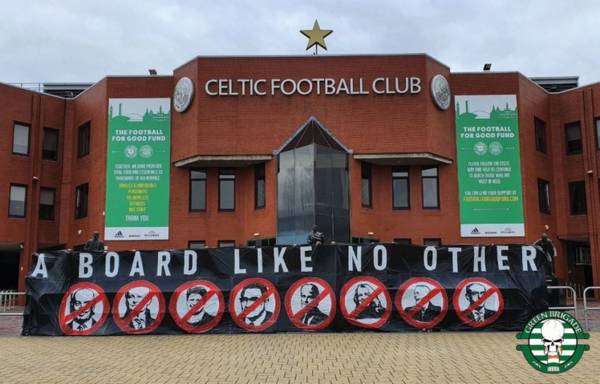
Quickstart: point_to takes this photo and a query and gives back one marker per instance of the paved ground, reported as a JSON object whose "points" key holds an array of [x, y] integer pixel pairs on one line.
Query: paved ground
{"points": [[440, 357]]}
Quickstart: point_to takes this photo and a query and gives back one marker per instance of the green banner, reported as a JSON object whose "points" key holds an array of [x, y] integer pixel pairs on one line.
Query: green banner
{"points": [[137, 169], [489, 166]]}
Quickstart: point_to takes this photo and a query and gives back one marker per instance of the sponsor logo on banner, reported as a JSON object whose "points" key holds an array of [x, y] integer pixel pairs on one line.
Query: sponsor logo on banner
{"points": [[365, 302], [139, 307], [83, 309], [254, 304], [553, 342], [477, 302], [310, 304], [197, 306], [422, 302]]}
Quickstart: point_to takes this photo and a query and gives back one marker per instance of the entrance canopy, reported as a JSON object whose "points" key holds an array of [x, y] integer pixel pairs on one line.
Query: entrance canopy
{"points": [[418, 158]]}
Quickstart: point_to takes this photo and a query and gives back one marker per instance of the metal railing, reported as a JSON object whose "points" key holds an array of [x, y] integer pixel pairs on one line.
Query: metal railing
{"points": [[585, 306], [574, 296], [9, 303]]}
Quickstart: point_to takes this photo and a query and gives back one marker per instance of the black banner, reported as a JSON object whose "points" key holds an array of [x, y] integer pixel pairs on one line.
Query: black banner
{"points": [[329, 288]]}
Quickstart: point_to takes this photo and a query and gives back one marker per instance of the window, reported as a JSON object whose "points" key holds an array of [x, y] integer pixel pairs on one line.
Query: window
{"points": [[196, 244], [573, 136], [577, 198], [50, 144], [83, 140], [400, 188], [81, 201], [403, 241], [540, 134], [544, 196], [226, 190], [598, 133], [429, 184], [20, 139], [432, 242], [226, 243], [18, 200], [268, 242], [197, 190], [259, 185], [365, 185], [47, 204]]}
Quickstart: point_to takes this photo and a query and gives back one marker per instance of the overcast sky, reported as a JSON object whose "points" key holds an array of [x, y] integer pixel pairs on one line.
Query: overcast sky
{"points": [[53, 41]]}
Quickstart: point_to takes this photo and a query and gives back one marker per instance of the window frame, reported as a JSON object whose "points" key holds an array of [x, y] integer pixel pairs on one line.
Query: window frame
{"points": [[407, 178], [24, 203], [597, 131], [566, 128], [190, 182], [220, 242], [77, 217], [259, 174], [366, 172], [432, 239], [189, 245], [539, 123], [80, 153], [57, 132], [541, 182], [573, 183], [437, 186], [53, 204], [226, 172], [15, 123]]}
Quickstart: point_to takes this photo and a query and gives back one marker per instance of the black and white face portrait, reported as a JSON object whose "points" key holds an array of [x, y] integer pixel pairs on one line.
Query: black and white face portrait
{"points": [[475, 304], [357, 296], [189, 301], [247, 301], [145, 314], [87, 318], [416, 293], [317, 312]]}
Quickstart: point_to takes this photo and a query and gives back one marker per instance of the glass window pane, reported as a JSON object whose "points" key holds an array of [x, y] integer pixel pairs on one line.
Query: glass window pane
{"points": [[46, 211], [50, 144], [400, 193], [260, 193], [18, 196], [197, 244], [430, 193], [577, 198], [426, 172], [21, 139], [365, 188], [198, 195], [226, 194], [81, 201]]}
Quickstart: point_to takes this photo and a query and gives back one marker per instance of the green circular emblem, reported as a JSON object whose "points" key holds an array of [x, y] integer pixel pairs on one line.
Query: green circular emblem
{"points": [[131, 151], [496, 148], [480, 148], [146, 151], [553, 342]]}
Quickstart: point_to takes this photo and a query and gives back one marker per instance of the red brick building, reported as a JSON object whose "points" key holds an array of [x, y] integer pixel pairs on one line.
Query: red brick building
{"points": [[390, 142]]}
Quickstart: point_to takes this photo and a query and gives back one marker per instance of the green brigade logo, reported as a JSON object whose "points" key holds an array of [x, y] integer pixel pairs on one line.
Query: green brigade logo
{"points": [[553, 342]]}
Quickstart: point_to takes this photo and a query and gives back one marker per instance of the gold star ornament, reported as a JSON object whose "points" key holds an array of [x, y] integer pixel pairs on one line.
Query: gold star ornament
{"points": [[316, 36]]}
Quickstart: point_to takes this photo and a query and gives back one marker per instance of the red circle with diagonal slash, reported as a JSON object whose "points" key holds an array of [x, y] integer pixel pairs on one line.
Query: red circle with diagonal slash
{"points": [[295, 318], [239, 318], [463, 314], [65, 318], [182, 321], [409, 316], [154, 291], [351, 317]]}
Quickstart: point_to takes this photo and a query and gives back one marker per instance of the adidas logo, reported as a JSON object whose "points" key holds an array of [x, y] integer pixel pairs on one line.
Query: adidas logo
{"points": [[475, 231], [119, 235]]}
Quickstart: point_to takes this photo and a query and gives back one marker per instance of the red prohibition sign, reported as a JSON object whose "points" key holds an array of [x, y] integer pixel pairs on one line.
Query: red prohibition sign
{"points": [[465, 315], [190, 292], [310, 317], [125, 322], [240, 318], [414, 315], [87, 297], [352, 317]]}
